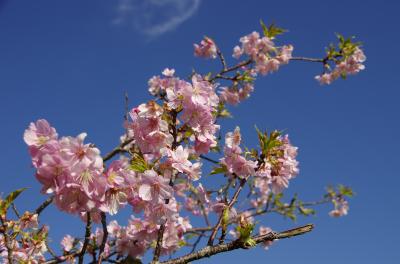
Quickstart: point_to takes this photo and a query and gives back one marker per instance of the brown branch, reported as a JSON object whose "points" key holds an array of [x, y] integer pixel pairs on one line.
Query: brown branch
{"points": [[62, 259], [198, 230], [175, 143], [14, 208], [44, 205], [209, 251], [6, 239], [307, 59], [119, 149], [52, 253], [222, 58], [237, 66], [87, 237], [105, 236], [157, 251], [209, 159], [231, 203], [201, 235]]}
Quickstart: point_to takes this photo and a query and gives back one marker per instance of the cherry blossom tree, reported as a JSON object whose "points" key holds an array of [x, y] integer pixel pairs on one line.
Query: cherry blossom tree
{"points": [[157, 170]]}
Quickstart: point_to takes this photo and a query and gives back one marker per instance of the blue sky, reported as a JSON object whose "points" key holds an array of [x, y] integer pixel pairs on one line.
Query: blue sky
{"points": [[71, 61]]}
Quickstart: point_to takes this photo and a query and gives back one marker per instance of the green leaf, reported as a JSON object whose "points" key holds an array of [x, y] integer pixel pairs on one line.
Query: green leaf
{"points": [[346, 191], [5, 204], [225, 217], [264, 28], [138, 163], [306, 211], [218, 170]]}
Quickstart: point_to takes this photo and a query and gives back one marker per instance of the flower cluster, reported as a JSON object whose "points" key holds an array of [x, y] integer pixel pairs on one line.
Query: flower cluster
{"points": [[30, 249], [277, 169], [233, 160], [66, 167], [197, 101], [149, 130], [206, 49], [351, 65], [341, 207], [234, 95], [266, 56]]}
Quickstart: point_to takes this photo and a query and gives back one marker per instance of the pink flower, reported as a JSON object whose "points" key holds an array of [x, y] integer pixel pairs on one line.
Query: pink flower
{"points": [[263, 52], [149, 130], [168, 72], [179, 161], [234, 162], [228, 95], [285, 165], [206, 49], [353, 64], [39, 133], [154, 187], [67, 243], [341, 207], [325, 78], [28, 220]]}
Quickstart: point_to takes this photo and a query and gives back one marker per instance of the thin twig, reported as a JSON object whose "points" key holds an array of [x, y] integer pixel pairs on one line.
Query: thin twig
{"points": [[222, 58], [44, 205], [52, 253], [62, 259], [307, 59], [14, 208], [117, 150], [209, 159], [87, 237], [157, 251], [209, 251], [231, 203], [197, 241], [105, 236]]}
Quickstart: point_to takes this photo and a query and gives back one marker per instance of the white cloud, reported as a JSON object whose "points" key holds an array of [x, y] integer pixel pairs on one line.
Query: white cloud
{"points": [[155, 17]]}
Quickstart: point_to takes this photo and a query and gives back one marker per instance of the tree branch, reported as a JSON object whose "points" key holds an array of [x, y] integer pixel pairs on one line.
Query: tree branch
{"points": [[44, 205], [117, 150], [231, 203], [87, 237], [307, 59], [105, 236], [209, 251], [157, 251], [6, 239]]}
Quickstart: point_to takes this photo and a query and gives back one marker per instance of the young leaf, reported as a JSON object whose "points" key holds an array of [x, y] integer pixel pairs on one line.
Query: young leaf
{"points": [[5, 204]]}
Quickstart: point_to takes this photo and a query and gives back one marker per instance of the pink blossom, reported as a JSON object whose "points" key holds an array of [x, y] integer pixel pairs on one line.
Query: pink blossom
{"points": [[235, 163], [39, 133], [149, 130], [353, 64], [285, 166], [341, 207], [154, 187], [263, 52], [168, 72], [206, 48], [67, 243], [28, 220], [179, 161]]}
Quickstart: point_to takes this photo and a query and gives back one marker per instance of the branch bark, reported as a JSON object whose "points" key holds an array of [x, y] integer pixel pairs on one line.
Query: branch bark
{"points": [[87, 237], [209, 251]]}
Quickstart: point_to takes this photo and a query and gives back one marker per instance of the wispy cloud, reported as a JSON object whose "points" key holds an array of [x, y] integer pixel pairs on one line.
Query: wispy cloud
{"points": [[155, 17]]}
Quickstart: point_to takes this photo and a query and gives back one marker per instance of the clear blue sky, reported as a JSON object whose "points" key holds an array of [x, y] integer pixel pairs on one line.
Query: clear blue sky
{"points": [[71, 61]]}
